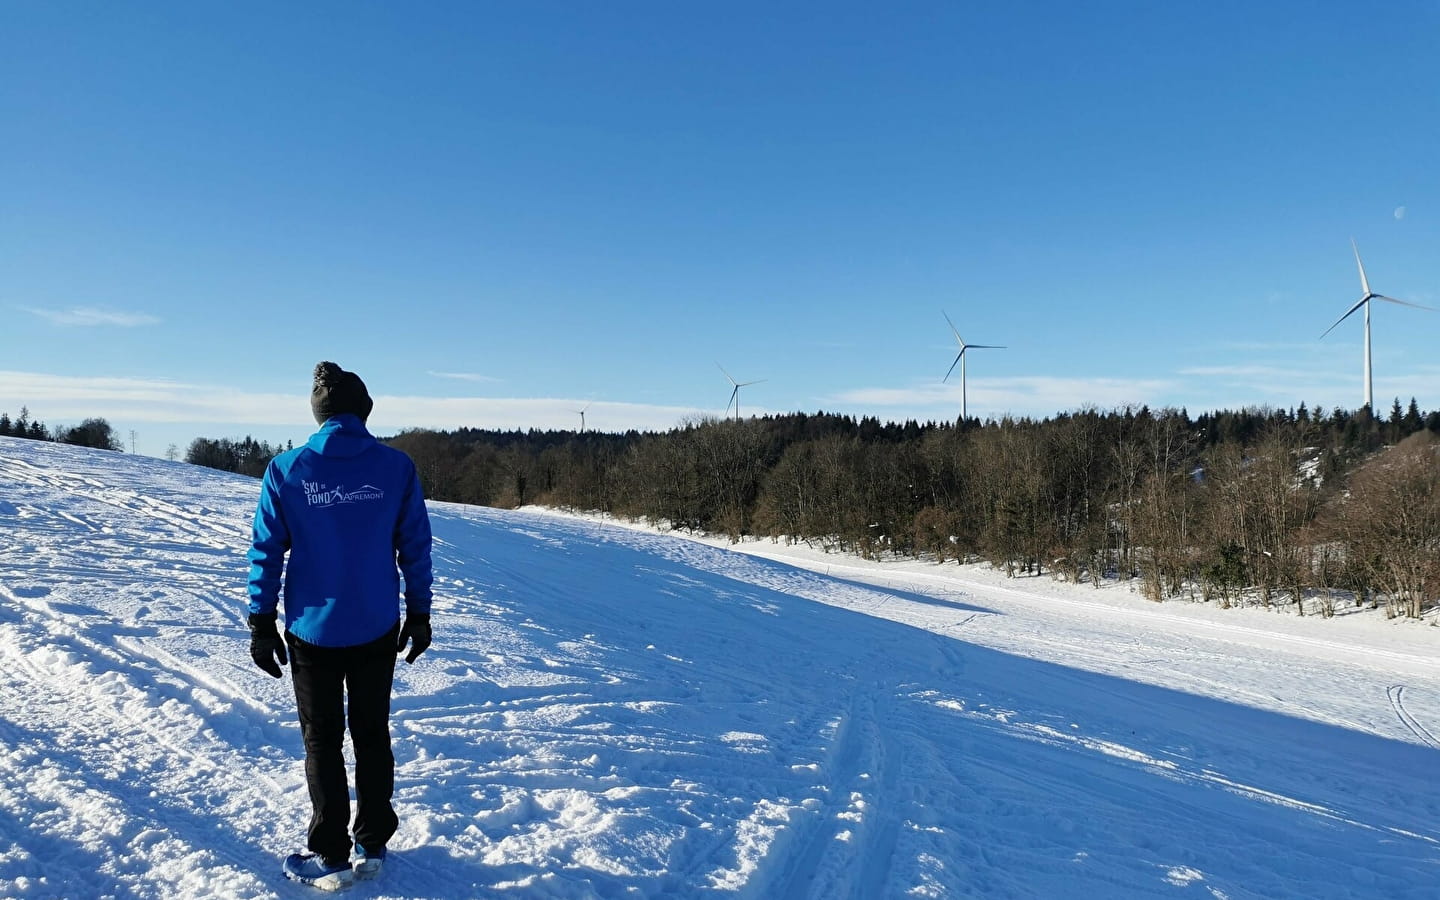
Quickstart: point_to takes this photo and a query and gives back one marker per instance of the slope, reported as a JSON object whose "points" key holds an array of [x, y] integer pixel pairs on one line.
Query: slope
{"points": [[613, 713]]}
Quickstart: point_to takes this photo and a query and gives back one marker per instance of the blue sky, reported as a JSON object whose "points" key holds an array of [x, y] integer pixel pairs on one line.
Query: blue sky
{"points": [[501, 213]]}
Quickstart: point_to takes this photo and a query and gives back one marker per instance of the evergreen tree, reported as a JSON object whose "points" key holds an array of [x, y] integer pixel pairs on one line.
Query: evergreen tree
{"points": [[246, 456], [1393, 426], [1412, 421]]}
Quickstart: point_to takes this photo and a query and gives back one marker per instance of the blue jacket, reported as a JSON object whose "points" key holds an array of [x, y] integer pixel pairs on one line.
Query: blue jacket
{"points": [[348, 510]]}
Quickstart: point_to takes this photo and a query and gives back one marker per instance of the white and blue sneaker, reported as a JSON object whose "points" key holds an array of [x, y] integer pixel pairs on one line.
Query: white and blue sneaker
{"points": [[368, 862], [311, 869]]}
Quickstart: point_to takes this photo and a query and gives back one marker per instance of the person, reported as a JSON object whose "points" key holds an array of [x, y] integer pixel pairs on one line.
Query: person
{"points": [[350, 513]]}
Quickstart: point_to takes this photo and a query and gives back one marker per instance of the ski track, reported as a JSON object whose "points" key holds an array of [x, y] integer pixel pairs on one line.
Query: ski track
{"points": [[612, 713], [1396, 693]]}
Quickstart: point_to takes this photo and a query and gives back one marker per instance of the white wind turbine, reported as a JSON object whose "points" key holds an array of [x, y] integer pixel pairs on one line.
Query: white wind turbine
{"points": [[581, 413], [735, 394], [960, 360], [1364, 301]]}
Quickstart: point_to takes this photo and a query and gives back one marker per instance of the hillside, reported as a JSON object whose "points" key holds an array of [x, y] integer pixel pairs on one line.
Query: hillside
{"points": [[609, 712]]}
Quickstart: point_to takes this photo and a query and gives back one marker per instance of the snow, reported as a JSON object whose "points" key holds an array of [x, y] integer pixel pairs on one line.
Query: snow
{"points": [[612, 712]]}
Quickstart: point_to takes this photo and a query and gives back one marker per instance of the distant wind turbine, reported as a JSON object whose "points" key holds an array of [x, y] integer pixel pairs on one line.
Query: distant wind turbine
{"points": [[960, 360], [1364, 301], [735, 394], [581, 412]]}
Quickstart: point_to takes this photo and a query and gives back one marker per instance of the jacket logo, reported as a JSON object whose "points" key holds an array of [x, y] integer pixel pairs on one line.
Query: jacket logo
{"points": [[317, 493]]}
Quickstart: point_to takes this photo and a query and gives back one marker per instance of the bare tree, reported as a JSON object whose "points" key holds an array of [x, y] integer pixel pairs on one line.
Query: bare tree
{"points": [[1390, 523]]}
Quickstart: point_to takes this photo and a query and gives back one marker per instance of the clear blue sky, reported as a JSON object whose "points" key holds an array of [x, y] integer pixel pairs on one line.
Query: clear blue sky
{"points": [[500, 213]]}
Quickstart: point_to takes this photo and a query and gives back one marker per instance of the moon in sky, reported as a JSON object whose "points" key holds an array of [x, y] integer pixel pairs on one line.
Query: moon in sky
{"points": [[1399, 213]]}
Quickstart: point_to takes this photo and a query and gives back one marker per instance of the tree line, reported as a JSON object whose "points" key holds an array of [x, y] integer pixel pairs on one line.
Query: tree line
{"points": [[1269, 506], [246, 456], [89, 433]]}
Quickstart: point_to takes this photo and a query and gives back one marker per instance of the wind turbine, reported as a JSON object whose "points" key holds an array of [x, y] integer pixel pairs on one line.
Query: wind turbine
{"points": [[581, 412], [1365, 302], [735, 394], [960, 359]]}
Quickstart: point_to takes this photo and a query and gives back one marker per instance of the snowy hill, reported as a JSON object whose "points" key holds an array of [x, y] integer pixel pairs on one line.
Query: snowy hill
{"points": [[613, 713]]}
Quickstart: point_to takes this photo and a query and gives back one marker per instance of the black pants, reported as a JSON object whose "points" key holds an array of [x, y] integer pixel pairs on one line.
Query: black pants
{"points": [[323, 677]]}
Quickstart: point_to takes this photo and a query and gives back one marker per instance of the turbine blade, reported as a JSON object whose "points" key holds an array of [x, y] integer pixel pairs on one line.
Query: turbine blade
{"points": [[952, 366], [985, 347], [959, 340], [1401, 302], [1361, 303], [1364, 285], [727, 374], [747, 383]]}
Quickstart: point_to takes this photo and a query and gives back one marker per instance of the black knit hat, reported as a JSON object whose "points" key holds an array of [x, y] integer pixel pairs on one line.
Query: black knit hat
{"points": [[337, 392]]}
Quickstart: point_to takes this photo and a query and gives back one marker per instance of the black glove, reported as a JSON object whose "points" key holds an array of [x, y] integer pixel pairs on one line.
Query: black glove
{"points": [[417, 631], [266, 647]]}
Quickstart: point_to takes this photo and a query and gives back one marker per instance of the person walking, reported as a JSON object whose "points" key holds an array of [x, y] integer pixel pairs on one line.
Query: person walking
{"points": [[350, 514]]}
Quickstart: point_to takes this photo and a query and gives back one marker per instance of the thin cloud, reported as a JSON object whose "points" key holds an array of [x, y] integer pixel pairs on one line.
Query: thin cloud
{"points": [[128, 402], [465, 376], [1249, 372], [56, 398], [393, 413], [90, 317], [1025, 395], [61, 397], [1311, 347], [1236, 387], [1197, 389], [1329, 381]]}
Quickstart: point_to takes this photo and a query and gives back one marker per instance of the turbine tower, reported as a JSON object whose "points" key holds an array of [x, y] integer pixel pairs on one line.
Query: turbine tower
{"points": [[960, 359], [735, 394], [1366, 296]]}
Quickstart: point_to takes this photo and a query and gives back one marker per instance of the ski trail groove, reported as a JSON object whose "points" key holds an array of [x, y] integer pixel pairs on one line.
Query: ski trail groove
{"points": [[816, 859], [1396, 693]]}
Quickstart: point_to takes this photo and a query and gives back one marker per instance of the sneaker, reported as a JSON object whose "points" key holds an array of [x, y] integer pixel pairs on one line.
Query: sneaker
{"points": [[368, 862], [311, 869]]}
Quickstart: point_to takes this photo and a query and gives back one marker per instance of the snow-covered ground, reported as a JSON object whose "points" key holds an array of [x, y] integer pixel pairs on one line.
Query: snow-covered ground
{"points": [[609, 712]]}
